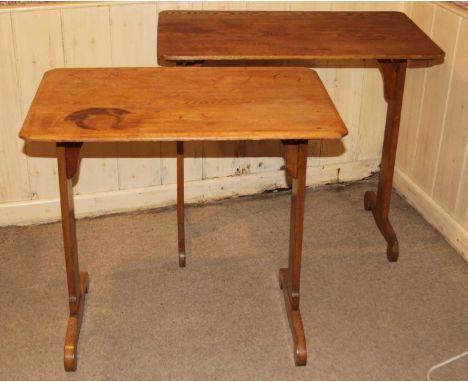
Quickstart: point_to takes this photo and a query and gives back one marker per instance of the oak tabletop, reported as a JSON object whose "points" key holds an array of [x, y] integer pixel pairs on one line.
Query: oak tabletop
{"points": [[244, 35], [168, 104]]}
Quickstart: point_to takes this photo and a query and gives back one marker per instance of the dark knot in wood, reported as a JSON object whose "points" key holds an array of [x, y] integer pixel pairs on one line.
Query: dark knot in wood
{"points": [[95, 118]]}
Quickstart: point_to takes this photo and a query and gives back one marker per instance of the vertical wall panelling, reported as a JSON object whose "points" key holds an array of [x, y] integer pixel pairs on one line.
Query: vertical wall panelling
{"points": [[461, 205], [224, 6], [422, 14], [446, 25], [461, 65], [133, 42], [180, 5], [133, 32], [87, 43], [267, 6], [454, 143], [14, 177], [432, 169], [38, 40], [298, 6], [373, 112]]}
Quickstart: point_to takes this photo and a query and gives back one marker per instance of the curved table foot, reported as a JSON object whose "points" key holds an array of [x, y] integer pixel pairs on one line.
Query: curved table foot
{"points": [[295, 321], [74, 326], [370, 202]]}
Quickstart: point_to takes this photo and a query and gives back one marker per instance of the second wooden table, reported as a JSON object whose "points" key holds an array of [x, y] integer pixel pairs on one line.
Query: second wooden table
{"points": [[391, 38]]}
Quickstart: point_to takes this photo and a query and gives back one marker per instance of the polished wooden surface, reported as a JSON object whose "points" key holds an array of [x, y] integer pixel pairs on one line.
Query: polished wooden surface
{"points": [[230, 35], [82, 105]]}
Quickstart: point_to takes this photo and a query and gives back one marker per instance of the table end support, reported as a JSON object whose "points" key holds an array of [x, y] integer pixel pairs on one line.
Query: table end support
{"points": [[295, 154], [68, 158], [393, 73]]}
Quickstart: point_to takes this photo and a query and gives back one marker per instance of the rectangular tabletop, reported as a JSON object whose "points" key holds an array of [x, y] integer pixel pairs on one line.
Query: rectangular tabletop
{"points": [[168, 104], [228, 35]]}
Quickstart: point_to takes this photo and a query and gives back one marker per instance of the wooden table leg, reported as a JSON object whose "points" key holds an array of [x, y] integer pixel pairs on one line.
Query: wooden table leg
{"points": [[180, 203], [289, 278], [394, 83], [180, 184], [68, 160]]}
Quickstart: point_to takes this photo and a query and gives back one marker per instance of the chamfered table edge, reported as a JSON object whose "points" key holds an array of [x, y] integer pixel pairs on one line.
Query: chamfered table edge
{"points": [[182, 138]]}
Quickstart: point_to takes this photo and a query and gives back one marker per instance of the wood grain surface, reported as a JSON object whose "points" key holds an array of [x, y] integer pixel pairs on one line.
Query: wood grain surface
{"points": [[167, 104], [230, 35]]}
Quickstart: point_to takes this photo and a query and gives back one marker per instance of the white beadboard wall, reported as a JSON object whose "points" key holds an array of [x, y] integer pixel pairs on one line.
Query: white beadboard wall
{"points": [[432, 161], [121, 177]]}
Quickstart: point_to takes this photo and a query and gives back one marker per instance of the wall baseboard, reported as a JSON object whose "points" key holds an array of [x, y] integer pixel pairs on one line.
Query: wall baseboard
{"points": [[455, 233], [88, 205]]}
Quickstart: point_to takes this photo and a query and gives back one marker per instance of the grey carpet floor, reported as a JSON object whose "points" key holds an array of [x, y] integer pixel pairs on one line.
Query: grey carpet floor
{"points": [[223, 317]]}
